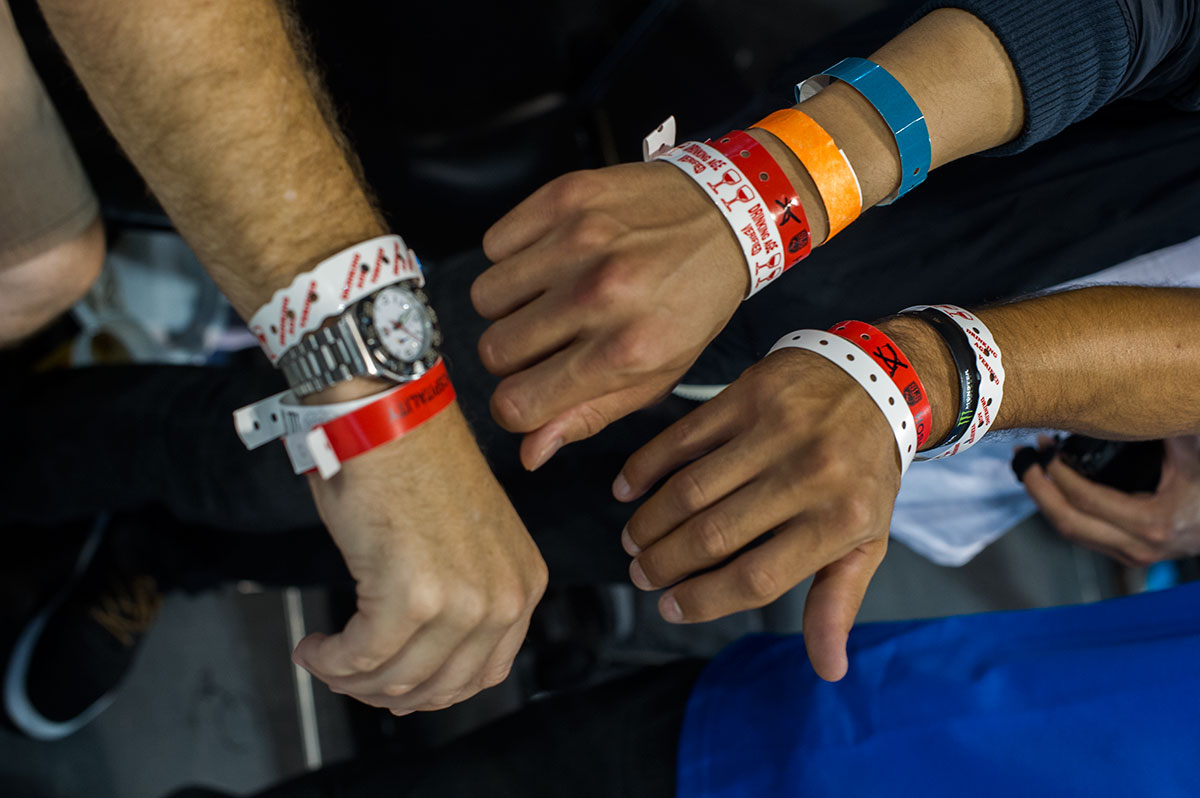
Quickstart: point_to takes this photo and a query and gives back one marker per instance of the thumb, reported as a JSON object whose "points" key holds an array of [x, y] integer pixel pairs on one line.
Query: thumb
{"points": [[833, 601]]}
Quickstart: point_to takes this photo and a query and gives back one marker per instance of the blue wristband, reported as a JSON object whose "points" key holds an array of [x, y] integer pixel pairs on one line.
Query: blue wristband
{"points": [[894, 104]]}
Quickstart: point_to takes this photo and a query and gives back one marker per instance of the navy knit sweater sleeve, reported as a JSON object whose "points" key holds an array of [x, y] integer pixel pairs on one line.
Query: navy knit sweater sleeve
{"points": [[1074, 56]]}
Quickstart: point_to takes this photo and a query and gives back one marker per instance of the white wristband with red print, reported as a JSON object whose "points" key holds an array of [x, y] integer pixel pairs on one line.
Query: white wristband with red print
{"points": [[336, 283]]}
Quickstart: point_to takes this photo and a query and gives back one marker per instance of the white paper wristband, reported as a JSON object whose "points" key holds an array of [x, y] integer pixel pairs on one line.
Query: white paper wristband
{"points": [[867, 373], [741, 205], [328, 289]]}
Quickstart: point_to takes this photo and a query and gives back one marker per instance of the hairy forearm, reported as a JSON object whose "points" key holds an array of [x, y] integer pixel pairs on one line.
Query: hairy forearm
{"points": [[216, 106], [958, 74], [1117, 362]]}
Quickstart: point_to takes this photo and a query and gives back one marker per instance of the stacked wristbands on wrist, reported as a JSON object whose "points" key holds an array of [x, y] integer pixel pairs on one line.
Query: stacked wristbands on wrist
{"points": [[884, 351], [757, 200], [329, 288], [824, 161], [980, 371], [868, 373], [893, 102], [322, 437], [963, 355]]}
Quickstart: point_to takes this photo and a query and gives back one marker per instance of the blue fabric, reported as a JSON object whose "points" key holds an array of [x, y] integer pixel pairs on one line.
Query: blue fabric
{"points": [[899, 111], [1100, 699]]}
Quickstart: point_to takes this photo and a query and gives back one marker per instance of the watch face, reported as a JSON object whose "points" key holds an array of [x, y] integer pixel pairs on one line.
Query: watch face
{"points": [[402, 324]]}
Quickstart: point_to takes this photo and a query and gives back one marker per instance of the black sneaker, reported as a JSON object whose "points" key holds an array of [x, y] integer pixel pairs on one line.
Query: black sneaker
{"points": [[69, 659]]}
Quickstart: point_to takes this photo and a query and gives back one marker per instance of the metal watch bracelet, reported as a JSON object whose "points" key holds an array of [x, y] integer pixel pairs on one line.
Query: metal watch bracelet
{"points": [[322, 359]]}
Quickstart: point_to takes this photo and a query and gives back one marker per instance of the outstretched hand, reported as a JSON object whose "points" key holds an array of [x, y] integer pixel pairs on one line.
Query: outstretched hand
{"points": [[791, 471], [606, 287], [446, 575]]}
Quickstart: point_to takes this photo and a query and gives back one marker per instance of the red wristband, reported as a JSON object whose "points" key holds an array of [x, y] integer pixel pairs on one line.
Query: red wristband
{"points": [[752, 160], [394, 415], [885, 352]]}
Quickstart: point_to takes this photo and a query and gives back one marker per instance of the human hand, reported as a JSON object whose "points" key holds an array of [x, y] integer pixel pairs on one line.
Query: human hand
{"points": [[793, 456], [446, 575], [606, 287], [1136, 529]]}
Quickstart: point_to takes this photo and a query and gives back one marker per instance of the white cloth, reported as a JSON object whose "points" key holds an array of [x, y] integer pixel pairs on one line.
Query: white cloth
{"points": [[949, 510]]}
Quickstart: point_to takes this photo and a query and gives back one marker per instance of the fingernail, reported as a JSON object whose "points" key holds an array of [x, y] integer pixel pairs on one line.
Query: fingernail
{"points": [[546, 454], [631, 548], [669, 608], [638, 576], [621, 488]]}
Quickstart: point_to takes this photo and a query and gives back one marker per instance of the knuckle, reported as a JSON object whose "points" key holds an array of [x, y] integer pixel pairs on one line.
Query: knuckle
{"points": [[507, 608], [856, 513], [396, 690], [1157, 532], [442, 700], [470, 607], [633, 349], [759, 584], [590, 230], [508, 408], [574, 189], [606, 286], [690, 495], [592, 419], [712, 538], [366, 661], [495, 675], [424, 600]]}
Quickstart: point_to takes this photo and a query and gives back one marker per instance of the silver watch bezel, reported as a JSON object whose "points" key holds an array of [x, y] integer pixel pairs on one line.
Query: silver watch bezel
{"points": [[378, 356]]}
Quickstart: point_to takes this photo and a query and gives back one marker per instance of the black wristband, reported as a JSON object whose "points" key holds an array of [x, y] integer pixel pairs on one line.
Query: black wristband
{"points": [[964, 363]]}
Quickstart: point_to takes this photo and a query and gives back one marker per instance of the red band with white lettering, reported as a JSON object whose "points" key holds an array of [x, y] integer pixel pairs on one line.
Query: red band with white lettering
{"points": [[868, 374], [991, 377], [754, 161], [748, 214], [885, 352], [394, 415], [333, 285]]}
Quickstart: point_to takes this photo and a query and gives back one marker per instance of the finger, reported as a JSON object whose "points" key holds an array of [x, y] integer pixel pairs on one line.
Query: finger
{"points": [[1118, 508], [583, 421], [516, 280], [713, 535], [525, 336], [700, 431], [1079, 527], [362, 646], [482, 662], [699, 486], [529, 399], [756, 577], [538, 214], [832, 605], [409, 668]]}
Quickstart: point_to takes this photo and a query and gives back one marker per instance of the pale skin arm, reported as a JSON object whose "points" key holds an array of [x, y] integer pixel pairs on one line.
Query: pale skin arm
{"points": [[217, 107], [608, 284]]}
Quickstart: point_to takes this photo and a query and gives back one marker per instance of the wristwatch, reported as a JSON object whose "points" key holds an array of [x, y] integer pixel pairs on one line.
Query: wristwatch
{"points": [[391, 333]]}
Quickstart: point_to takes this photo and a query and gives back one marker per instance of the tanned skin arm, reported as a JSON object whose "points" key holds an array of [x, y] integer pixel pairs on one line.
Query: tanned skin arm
{"points": [[216, 104]]}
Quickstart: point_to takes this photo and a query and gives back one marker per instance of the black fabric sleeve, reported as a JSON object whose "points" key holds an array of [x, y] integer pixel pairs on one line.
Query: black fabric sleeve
{"points": [[1075, 56]]}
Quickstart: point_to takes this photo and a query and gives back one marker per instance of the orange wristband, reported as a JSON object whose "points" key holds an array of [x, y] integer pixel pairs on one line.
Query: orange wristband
{"points": [[826, 164]]}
